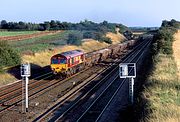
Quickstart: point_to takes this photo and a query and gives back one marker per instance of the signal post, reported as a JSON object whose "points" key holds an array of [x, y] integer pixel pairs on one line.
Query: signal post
{"points": [[25, 74], [128, 70]]}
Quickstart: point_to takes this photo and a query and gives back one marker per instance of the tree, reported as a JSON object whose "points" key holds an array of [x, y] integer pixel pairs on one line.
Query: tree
{"points": [[41, 27], [53, 24], [75, 38], [97, 35], [22, 25], [105, 23], [164, 23], [46, 25], [87, 35], [4, 24]]}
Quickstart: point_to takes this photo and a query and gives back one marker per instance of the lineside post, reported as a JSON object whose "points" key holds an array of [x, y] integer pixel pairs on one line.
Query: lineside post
{"points": [[27, 80], [128, 70], [25, 73], [131, 90]]}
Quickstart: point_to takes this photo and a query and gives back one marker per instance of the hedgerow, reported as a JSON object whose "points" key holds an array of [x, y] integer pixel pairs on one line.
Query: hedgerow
{"points": [[164, 37]]}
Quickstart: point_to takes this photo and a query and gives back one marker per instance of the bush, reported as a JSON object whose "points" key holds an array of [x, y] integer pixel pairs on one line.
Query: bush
{"points": [[165, 40], [87, 35], [165, 37], [75, 38], [9, 57], [97, 35], [106, 40]]}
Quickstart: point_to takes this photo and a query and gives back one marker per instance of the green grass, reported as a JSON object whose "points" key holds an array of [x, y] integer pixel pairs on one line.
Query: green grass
{"points": [[162, 91], [35, 48], [15, 33], [41, 43]]}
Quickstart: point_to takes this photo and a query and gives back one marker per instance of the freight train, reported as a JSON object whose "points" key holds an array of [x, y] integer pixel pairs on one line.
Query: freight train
{"points": [[71, 62]]}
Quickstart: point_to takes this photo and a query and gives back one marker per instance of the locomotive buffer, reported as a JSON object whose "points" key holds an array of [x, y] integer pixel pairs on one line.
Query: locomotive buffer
{"points": [[128, 70], [25, 73]]}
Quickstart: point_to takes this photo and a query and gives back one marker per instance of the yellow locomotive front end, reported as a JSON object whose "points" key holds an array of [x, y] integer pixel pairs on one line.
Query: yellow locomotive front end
{"points": [[58, 64]]}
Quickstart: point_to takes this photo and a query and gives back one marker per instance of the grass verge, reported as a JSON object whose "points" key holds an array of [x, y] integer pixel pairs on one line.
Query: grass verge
{"points": [[161, 95], [159, 99], [6, 78]]}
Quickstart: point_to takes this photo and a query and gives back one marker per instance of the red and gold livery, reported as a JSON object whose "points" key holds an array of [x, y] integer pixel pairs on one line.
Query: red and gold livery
{"points": [[67, 62]]}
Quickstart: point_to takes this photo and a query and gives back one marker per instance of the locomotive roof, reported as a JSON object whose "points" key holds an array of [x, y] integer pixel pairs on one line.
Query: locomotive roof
{"points": [[72, 53]]}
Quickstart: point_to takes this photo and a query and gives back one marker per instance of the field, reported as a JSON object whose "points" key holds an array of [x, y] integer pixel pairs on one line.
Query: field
{"points": [[51, 41], [29, 42], [22, 35], [16, 33], [42, 42]]}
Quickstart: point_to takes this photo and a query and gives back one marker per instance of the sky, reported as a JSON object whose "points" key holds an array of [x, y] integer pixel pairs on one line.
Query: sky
{"points": [[147, 13]]}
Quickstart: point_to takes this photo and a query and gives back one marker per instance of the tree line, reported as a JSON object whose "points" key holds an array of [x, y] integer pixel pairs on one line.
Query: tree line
{"points": [[104, 26]]}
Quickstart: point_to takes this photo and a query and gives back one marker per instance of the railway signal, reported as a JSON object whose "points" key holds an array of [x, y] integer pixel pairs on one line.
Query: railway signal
{"points": [[25, 73], [128, 70]]}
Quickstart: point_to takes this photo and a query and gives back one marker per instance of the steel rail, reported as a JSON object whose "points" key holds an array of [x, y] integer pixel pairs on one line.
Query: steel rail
{"points": [[117, 90], [108, 87]]}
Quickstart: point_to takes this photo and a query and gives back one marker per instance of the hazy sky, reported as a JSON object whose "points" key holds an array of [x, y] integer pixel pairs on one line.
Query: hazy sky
{"points": [[128, 12]]}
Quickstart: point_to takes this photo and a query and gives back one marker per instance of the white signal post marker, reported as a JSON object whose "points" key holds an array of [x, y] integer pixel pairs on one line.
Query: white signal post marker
{"points": [[25, 72], [128, 70]]}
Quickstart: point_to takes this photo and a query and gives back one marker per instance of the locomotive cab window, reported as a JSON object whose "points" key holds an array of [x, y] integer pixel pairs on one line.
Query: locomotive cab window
{"points": [[58, 60], [54, 61], [62, 61]]}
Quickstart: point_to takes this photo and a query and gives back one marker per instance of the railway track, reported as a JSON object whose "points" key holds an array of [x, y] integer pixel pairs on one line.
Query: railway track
{"points": [[12, 95], [100, 104], [17, 86], [8, 98], [67, 112]]}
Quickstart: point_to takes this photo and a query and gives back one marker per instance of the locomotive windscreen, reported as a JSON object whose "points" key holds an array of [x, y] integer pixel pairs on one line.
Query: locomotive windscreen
{"points": [[54, 61], [62, 61], [58, 60]]}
